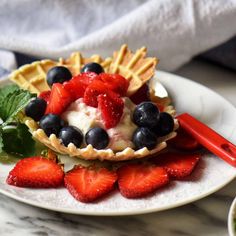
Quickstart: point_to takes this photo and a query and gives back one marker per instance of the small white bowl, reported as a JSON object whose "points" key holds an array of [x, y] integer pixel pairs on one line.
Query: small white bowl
{"points": [[232, 219]]}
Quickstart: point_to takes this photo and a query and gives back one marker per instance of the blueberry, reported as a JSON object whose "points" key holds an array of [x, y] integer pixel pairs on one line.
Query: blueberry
{"points": [[58, 74], [71, 134], [165, 124], [97, 137], [144, 137], [36, 108], [51, 124], [92, 67], [146, 114]]}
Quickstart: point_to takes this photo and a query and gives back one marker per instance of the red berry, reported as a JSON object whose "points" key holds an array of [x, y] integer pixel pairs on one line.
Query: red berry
{"points": [[45, 95], [111, 107], [87, 184], [59, 99], [138, 180], [141, 95], [178, 165], [36, 172]]}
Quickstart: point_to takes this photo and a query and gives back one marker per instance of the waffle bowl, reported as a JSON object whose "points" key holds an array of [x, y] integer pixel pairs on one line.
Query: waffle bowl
{"points": [[133, 66]]}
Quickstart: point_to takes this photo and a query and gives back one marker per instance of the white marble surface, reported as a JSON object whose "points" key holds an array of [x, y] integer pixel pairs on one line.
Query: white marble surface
{"points": [[205, 217]]}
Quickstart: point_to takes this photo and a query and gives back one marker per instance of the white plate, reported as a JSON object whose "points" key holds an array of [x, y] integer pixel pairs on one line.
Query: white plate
{"points": [[231, 219], [210, 175]]}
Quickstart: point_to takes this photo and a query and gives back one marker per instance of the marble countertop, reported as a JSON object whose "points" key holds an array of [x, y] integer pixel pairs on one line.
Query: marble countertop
{"points": [[204, 217]]}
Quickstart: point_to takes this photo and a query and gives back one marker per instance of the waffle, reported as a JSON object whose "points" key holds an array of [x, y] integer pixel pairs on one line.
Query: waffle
{"points": [[135, 67]]}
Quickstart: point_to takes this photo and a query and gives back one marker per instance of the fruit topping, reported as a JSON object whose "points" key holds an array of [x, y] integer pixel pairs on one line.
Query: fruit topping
{"points": [[115, 83], [87, 184], [45, 95], [58, 74], [51, 124], [59, 99], [111, 107], [71, 134], [146, 114], [144, 137], [178, 165], [141, 95], [36, 108], [92, 67], [97, 137], [165, 124], [36, 172], [139, 180]]}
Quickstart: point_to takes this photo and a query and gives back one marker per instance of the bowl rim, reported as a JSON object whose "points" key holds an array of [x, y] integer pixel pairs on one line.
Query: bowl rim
{"points": [[231, 216]]}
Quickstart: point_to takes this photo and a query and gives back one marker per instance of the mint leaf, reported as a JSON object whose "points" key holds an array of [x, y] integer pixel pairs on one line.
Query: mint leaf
{"points": [[13, 103], [18, 140], [4, 91]]}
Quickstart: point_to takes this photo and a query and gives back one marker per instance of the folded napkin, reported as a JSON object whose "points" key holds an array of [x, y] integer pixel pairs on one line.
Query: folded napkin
{"points": [[174, 31]]}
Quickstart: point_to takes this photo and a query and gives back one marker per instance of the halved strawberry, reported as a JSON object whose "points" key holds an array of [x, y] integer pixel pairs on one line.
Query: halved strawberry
{"points": [[36, 172], [87, 184], [138, 180], [115, 83], [59, 99], [96, 88], [45, 95], [141, 95], [77, 85], [111, 107], [184, 141], [178, 165]]}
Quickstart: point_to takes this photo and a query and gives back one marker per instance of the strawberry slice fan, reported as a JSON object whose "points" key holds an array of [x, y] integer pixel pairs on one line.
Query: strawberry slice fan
{"points": [[208, 138]]}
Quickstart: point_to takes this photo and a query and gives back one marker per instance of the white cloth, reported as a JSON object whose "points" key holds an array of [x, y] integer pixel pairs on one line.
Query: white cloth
{"points": [[172, 30]]}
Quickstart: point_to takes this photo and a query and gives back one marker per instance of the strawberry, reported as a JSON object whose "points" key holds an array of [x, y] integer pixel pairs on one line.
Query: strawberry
{"points": [[115, 83], [59, 99], [111, 107], [184, 141], [96, 88], [141, 95], [138, 180], [87, 184], [45, 95], [178, 165], [36, 172], [77, 85]]}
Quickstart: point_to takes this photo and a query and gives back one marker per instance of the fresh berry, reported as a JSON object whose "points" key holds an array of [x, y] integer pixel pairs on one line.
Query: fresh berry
{"points": [[144, 137], [36, 108], [165, 124], [139, 180], [183, 141], [96, 88], [111, 107], [141, 95], [92, 67], [77, 85], [146, 114], [45, 95], [115, 83], [71, 134], [87, 184], [51, 124], [59, 99], [178, 165], [36, 172], [97, 137], [58, 74]]}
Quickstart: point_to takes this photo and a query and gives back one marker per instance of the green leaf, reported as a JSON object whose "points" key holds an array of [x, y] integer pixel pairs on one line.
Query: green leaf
{"points": [[4, 91], [13, 103], [1, 141], [18, 140]]}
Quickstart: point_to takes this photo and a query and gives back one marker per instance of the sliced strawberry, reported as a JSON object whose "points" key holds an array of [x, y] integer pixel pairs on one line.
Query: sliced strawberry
{"points": [[36, 172], [139, 180], [141, 95], [77, 85], [45, 95], [178, 165], [87, 184], [59, 99], [111, 107], [115, 83], [96, 88], [183, 141]]}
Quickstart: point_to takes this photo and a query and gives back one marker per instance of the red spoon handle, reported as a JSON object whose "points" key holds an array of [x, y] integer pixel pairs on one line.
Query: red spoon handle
{"points": [[211, 140]]}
